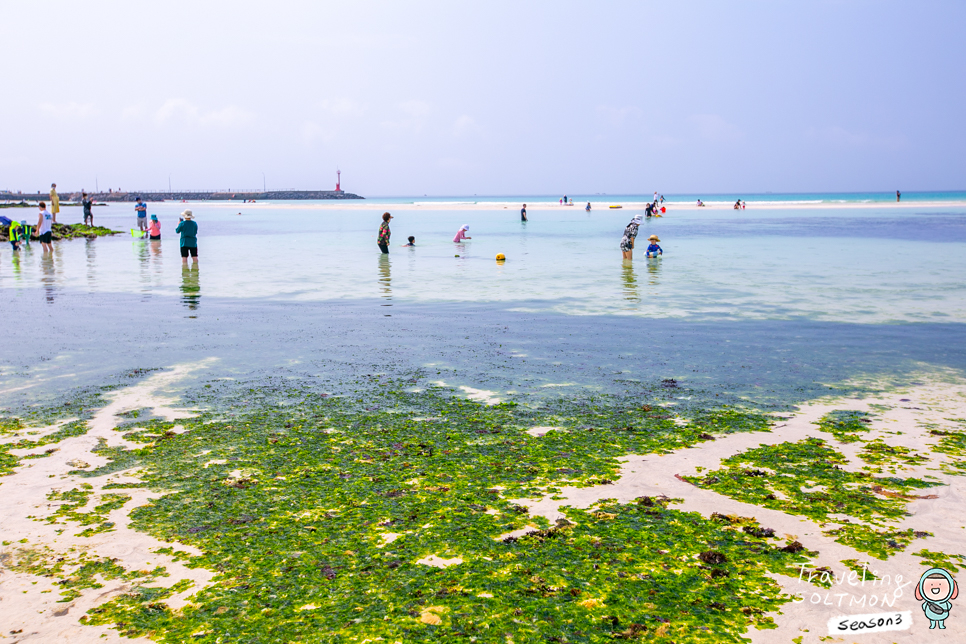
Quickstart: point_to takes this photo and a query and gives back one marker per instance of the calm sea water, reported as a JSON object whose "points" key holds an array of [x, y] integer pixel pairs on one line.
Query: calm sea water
{"points": [[868, 265], [757, 199]]}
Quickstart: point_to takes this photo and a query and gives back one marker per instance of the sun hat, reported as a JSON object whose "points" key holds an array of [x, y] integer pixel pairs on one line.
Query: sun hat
{"points": [[653, 237], [637, 218], [154, 217], [465, 227], [187, 214]]}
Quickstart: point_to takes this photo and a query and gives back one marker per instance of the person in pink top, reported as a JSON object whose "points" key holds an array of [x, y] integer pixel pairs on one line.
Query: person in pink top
{"points": [[154, 228], [461, 234]]}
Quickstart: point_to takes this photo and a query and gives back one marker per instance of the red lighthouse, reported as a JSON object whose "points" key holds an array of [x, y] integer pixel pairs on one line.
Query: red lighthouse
{"points": [[338, 180]]}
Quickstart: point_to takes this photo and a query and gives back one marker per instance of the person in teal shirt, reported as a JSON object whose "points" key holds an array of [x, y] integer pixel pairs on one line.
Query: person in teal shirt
{"points": [[189, 237]]}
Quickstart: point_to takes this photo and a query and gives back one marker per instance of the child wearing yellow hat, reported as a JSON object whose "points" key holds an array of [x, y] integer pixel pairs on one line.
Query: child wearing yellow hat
{"points": [[653, 250]]}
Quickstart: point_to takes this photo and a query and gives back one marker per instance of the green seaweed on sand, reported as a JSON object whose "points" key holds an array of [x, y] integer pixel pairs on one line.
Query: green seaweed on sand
{"points": [[776, 477], [880, 544], [314, 517], [9, 461], [881, 455], [76, 573], [860, 567], [845, 425], [74, 499], [952, 443], [941, 560], [611, 571]]}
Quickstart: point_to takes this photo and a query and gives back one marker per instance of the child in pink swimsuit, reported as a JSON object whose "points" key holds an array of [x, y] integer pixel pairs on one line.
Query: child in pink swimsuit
{"points": [[461, 234]]}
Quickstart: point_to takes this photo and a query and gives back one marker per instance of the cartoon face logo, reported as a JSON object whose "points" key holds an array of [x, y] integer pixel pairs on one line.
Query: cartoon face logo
{"points": [[936, 590]]}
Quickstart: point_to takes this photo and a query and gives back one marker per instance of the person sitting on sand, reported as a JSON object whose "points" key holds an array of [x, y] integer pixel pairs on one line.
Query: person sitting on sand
{"points": [[700, 203], [737, 205], [154, 228], [461, 233], [411, 240], [653, 250], [630, 233], [588, 207]]}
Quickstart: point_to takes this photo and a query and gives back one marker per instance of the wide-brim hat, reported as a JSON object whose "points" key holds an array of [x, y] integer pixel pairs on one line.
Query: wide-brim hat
{"points": [[653, 238], [187, 214]]}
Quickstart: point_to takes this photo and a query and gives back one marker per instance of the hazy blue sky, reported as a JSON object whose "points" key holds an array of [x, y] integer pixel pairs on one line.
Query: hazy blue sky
{"points": [[412, 98]]}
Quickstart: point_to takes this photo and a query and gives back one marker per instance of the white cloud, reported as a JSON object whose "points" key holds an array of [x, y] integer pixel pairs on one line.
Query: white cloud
{"points": [[712, 127], [132, 112], [341, 106], [464, 125], [413, 116], [68, 111], [617, 116], [840, 137], [312, 132], [179, 109]]}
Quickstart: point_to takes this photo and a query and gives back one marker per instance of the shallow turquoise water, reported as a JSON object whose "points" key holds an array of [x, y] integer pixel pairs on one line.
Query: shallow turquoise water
{"points": [[868, 265]]}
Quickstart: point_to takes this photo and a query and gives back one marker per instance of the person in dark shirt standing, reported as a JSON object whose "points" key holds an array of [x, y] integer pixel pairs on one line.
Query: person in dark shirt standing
{"points": [[523, 213], [898, 196], [189, 237], [384, 233], [87, 202]]}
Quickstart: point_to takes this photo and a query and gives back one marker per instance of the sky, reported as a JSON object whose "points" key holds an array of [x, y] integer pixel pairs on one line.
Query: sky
{"points": [[488, 98]]}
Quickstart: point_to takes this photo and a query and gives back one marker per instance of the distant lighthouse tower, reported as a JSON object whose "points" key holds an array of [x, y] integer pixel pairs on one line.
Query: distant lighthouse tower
{"points": [[338, 180]]}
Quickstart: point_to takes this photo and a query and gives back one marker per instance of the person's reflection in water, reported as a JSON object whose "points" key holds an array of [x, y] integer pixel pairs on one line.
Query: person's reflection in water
{"points": [[155, 248], [629, 278], [49, 280], [15, 261], [653, 271], [141, 250], [385, 278], [190, 287], [90, 250]]}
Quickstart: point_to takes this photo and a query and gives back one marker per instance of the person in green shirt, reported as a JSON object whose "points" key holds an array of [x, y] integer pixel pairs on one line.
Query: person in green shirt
{"points": [[189, 236], [15, 235]]}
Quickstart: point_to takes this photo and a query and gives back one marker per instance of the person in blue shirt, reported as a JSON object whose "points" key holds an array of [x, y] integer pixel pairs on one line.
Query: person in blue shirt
{"points": [[653, 250], [141, 209]]}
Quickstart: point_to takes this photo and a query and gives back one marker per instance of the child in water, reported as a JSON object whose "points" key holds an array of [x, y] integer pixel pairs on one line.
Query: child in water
{"points": [[461, 233], [412, 241], [154, 228], [653, 250]]}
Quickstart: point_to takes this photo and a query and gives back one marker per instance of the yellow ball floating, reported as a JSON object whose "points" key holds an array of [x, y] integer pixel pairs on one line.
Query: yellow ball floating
{"points": [[500, 257]]}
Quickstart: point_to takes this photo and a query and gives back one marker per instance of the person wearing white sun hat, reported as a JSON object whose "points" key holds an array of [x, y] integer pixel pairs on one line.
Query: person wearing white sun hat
{"points": [[189, 236], [461, 233], [630, 233]]}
